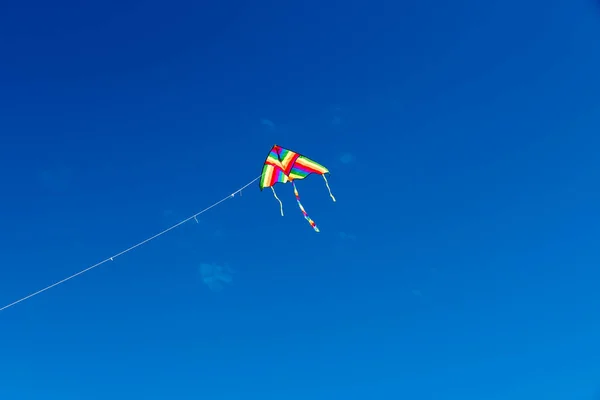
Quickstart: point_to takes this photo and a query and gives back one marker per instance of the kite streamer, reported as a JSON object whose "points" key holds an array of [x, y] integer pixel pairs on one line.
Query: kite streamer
{"points": [[310, 221], [277, 198], [328, 188]]}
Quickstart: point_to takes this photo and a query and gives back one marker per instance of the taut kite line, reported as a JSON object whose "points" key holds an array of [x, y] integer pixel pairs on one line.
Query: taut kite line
{"points": [[282, 166]]}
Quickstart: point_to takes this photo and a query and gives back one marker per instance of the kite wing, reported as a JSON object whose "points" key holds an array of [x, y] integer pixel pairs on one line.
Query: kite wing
{"points": [[304, 166], [284, 165], [273, 170]]}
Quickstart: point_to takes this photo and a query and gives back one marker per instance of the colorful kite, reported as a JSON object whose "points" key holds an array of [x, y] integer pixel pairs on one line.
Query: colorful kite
{"points": [[282, 166]]}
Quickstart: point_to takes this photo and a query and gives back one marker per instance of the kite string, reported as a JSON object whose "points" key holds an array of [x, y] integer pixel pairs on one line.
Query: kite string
{"points": [[128, 249], [277, 198], [328, 188]]}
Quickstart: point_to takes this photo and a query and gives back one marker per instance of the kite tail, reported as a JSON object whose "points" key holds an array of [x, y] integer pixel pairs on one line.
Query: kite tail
{"points": [[277, 198], [328, 188], [310, 221]]}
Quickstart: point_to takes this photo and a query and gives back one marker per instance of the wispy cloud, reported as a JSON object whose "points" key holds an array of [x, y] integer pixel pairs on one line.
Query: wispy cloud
{"points": [[268, 123], [347, 158], [56, 179], [168, 213], [336, 120], [347, 236], [219, 233], [216, 276]]}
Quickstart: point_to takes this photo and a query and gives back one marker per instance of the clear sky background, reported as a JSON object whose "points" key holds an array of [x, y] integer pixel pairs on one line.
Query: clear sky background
{"points": [[460, 261]]}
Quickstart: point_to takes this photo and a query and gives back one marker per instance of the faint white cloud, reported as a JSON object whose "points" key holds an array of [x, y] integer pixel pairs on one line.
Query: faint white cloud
{"points": [[168, 213], [347, 158], [347, 236], [219, 233], [268, 123], [216, 276], [337, 119], [56, 179]]}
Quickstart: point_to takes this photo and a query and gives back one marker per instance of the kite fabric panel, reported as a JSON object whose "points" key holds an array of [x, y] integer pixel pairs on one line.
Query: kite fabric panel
{"points": [[283, 166]]}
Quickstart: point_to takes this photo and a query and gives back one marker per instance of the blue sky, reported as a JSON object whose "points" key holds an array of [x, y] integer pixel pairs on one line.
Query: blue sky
{"points": [[459, 262]]}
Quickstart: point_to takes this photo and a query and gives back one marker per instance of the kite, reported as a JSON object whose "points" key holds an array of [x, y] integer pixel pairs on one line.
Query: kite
{"points": [[283, 166]]}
